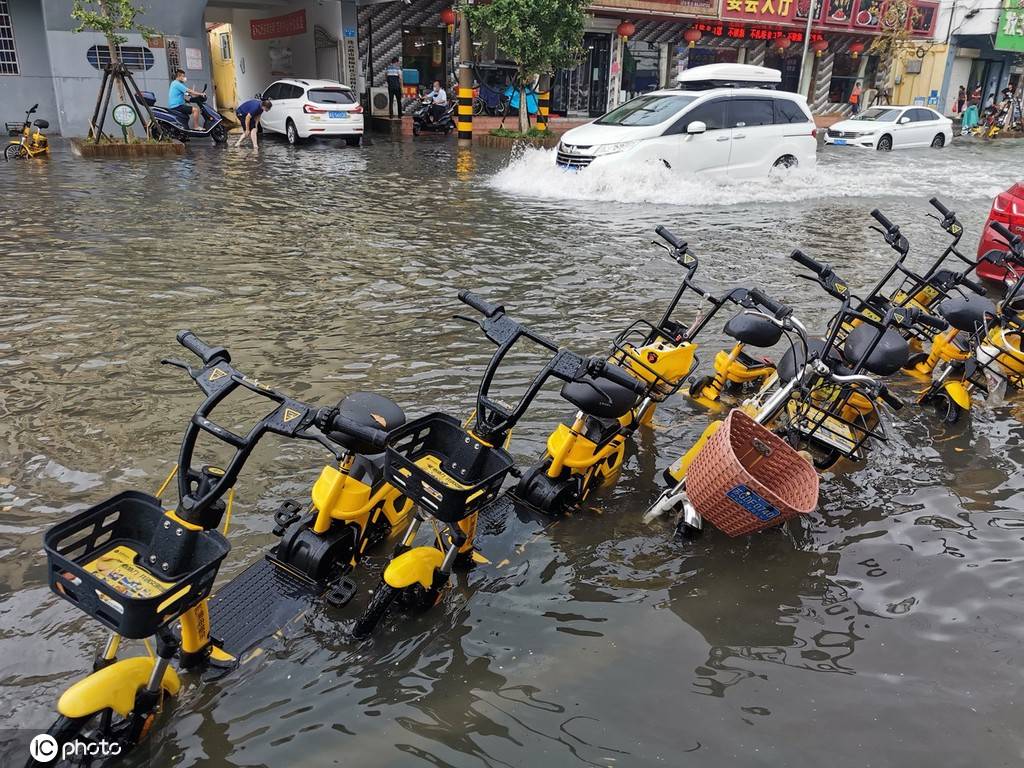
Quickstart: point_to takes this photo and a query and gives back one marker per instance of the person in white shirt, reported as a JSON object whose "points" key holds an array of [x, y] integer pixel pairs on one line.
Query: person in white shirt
{"points": [[438, 101]]}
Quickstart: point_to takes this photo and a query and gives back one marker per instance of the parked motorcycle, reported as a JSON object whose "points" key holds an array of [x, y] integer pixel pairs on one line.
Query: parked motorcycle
{"points": [[175, 125]]}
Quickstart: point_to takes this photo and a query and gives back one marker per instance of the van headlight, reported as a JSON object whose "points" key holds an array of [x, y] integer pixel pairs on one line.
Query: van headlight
{"points": [[611, 149]]}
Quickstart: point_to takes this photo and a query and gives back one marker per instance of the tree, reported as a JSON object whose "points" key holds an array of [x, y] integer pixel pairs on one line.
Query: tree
{"points": [[538, 35], [109, 18], [893, 42]]}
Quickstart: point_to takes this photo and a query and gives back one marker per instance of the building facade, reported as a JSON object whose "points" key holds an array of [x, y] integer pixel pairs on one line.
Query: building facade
{"points": [[238, 47]]}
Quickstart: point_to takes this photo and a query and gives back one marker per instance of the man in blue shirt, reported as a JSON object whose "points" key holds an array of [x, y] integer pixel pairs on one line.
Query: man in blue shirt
{"points": [[248, 114], [394, 77], [176, 96]]}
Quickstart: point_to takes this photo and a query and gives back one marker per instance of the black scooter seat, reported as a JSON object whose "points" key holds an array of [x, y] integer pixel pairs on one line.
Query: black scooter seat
{"points": [[889, 355], [753, 330], [794, 359], [599, 397], [966, 314], [369, 410]]}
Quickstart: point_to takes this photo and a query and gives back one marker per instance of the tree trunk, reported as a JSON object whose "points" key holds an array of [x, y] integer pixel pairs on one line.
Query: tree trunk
{"points": [[524, 110]]}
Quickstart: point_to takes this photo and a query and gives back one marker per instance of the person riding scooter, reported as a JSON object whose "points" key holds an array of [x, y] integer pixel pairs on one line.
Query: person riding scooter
{"points": [[176, 100], [438, 101]]}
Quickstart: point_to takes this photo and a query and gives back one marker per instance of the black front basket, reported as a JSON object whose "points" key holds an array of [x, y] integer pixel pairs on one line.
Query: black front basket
{"points": [[129, 565], [443, 468]]}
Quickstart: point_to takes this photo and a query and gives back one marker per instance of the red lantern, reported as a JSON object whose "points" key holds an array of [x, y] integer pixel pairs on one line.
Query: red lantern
{"points": [[625, 29], [691, 36], [448, 17], [819, 47], [782, 43], [856, 49]]}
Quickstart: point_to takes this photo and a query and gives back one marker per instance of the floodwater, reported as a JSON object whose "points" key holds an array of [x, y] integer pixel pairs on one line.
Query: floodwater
{"points": [[885, 630]]}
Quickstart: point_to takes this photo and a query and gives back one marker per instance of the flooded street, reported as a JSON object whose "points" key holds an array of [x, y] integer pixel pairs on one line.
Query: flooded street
{"points": [[885, 630]]}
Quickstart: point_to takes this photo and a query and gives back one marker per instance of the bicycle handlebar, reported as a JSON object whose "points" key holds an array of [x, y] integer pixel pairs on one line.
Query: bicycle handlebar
{"points": [[201, 349], [481, 305], [665, 234], [777, 308], [329, 420], [937, 205], [804, 260], [880, 217], [613, 373], [1012, 240]]}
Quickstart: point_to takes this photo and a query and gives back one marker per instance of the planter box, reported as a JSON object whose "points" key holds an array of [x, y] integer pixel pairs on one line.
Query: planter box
{"points": [[86, 148], [505, 142]]}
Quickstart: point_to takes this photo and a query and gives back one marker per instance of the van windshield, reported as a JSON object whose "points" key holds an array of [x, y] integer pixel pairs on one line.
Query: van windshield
{"points": [[879, 115], [647, 110]]}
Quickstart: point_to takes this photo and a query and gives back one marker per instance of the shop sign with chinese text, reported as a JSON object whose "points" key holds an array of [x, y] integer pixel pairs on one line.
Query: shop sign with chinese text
{"points": [[859, 15]]}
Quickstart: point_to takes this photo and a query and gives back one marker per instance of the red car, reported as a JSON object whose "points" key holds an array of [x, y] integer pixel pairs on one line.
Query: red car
{"points": [[1008, 208]]}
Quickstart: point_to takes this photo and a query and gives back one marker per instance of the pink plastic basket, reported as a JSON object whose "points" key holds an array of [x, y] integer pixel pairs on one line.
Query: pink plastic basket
{"points": [[746, 478]]}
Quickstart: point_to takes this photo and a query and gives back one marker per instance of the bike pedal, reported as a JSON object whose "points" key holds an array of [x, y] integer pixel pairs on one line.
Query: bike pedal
{"points": [[340, 594], [286, 514]]}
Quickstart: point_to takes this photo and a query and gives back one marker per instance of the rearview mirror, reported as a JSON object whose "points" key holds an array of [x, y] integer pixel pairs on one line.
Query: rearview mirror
{"points": [[696, 127], [904, 120]]}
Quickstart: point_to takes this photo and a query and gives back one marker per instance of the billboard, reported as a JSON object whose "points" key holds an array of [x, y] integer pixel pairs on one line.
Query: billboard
{"points": [[1010, 32]]}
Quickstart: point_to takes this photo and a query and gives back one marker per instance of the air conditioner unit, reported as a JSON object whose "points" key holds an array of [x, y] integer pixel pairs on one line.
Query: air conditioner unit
{"points": [[379, 101]]}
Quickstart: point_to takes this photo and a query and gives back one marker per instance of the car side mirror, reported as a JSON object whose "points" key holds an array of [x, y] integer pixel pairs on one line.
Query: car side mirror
{"points": [[696, 127], [904, 120]]}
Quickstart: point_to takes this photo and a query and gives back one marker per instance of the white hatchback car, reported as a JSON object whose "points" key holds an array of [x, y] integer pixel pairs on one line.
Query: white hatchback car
{"points": [[886, 128], [304, 108], [724, 120]]}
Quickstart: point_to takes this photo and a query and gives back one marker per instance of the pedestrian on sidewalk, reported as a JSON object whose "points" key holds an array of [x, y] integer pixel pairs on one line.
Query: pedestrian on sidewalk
{"points": [[249, 114], [961, 100], [393, 73], [855, 97]]}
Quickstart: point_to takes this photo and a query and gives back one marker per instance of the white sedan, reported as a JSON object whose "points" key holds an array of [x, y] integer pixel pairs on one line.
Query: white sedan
{"points": [[885, 128]]}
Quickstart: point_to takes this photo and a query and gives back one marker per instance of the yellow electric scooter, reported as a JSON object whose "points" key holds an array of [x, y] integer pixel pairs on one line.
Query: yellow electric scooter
{"points": [[28, 143], [145, 570], [587, 453], [452, 471]]}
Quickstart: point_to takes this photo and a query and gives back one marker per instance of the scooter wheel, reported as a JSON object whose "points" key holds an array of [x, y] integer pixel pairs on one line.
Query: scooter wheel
{"points": [[550, 495], [914, 360], [415, 129], [375, 610], [946, 408], [219, 134], [698, 386]]}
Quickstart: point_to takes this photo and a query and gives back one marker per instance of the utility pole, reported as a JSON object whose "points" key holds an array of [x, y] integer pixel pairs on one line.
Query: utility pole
{"points": [[812, 11], [464, 110]]}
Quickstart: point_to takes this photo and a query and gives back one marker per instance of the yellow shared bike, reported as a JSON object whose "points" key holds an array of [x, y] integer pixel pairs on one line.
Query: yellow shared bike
{"points": [[28, 143], [145, 569], [452, 470], [587, 453]]}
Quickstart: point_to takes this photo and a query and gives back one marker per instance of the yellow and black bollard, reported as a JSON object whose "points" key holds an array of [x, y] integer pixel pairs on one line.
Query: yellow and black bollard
{"points": [[543, 109], [464, 116]]}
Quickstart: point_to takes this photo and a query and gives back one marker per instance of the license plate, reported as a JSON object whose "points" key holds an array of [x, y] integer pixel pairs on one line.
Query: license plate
{"points": [[338, 115], [839, 141]]}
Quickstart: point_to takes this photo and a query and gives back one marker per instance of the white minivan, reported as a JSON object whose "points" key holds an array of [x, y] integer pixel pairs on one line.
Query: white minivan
{"points": [[724, 120]]}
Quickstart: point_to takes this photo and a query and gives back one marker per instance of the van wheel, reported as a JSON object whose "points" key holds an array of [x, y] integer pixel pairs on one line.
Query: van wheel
{"points": [[939, 141], [291, 132], [784, 164], [884, 143]]}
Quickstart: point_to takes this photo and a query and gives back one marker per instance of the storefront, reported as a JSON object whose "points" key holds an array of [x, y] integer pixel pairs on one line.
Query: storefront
{"points": [[771, 32], [412, 31]]}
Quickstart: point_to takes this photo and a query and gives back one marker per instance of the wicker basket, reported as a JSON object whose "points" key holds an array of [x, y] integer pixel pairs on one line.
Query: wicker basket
{"points": [[746, 478]]}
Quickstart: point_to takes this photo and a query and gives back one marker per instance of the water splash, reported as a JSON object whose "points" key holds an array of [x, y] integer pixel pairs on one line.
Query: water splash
{"points": [[966, 171]]}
